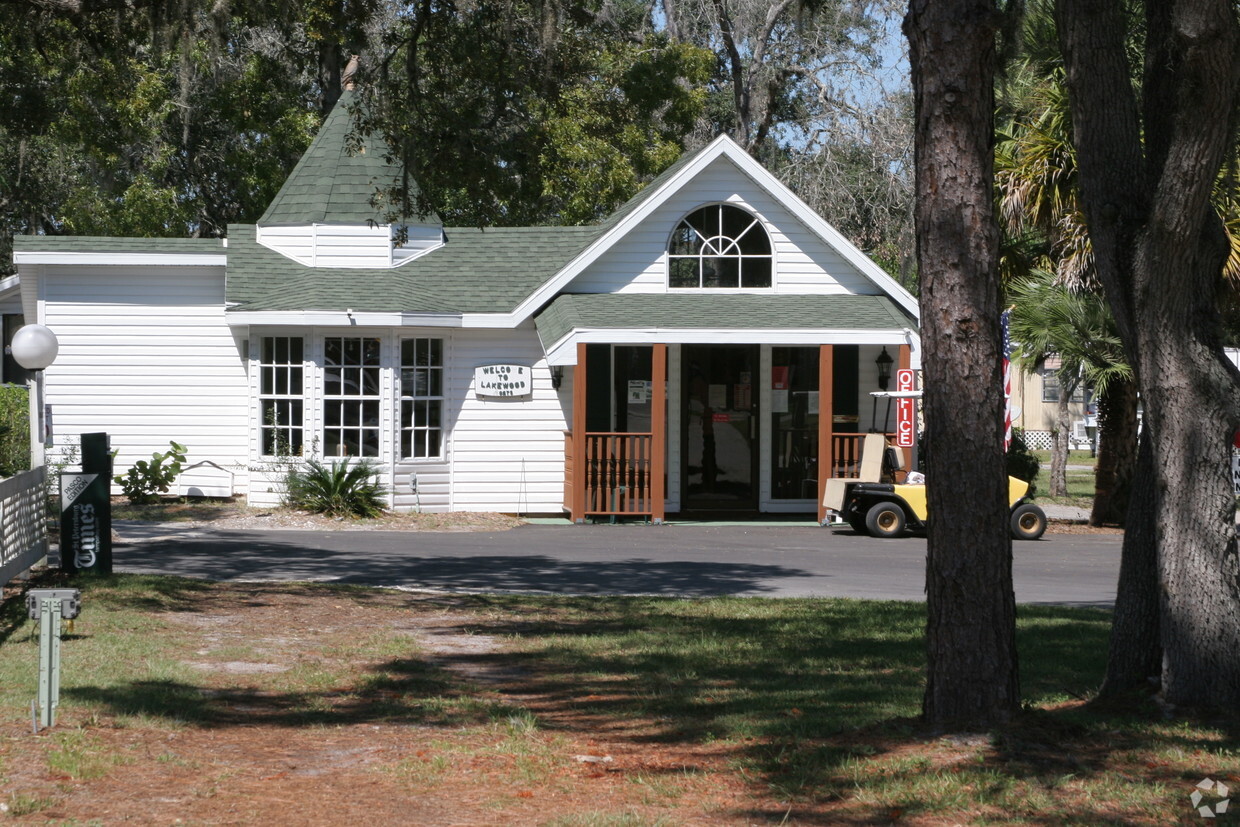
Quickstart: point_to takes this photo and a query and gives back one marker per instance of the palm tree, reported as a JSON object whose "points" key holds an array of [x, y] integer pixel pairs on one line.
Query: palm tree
{"points": [[1035, 179], [1036, 182], [1076, 326]]}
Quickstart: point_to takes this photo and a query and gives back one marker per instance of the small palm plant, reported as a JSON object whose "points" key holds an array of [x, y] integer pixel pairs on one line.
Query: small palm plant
{"points": [[338, 490]]}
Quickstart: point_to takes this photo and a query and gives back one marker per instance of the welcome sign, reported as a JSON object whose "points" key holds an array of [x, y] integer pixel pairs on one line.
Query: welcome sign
{"points": [[85, 523], [502, 381]]}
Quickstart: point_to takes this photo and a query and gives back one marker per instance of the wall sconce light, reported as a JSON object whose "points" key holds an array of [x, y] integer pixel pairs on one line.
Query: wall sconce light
{"points": [[557, 377], [883, 363]]}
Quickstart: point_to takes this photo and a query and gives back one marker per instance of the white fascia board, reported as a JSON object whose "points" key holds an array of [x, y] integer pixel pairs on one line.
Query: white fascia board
{"points": [[564, 351], [723, 146], [10, 285], [338, 318], [491, 321], [123, 259], [264, 240]]}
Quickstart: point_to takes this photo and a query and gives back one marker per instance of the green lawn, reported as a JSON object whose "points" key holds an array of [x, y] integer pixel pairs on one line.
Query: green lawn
{"points": [[1080, 482], [1074, 458], [814, 702]]}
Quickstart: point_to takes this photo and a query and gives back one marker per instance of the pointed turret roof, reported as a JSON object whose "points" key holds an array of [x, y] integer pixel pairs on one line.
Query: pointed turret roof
{"points": [[338, 180]]}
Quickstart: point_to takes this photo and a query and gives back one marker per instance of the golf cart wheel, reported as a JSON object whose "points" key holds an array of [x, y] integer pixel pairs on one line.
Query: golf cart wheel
{"points": [[1028, 522], [885, 520]]}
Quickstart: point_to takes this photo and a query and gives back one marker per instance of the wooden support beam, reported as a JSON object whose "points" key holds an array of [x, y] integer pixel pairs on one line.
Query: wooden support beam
{"points": [[826, 426], [658, 428], [578, 511]]}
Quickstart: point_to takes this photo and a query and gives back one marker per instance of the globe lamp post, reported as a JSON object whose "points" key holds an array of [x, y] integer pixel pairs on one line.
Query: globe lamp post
{"points": [[35, 348]]}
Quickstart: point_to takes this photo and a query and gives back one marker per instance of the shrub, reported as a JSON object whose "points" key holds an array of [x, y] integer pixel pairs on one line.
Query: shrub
{"points": [[14, 430], [338, 490], [1021, 463], [145, 481]]}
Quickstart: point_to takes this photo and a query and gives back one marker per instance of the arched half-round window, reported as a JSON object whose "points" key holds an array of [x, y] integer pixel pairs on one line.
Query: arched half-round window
{"points": [[719, 246]]}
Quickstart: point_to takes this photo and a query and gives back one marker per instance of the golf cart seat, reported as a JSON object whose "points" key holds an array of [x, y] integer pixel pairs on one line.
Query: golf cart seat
{"points": [[873, 450]]}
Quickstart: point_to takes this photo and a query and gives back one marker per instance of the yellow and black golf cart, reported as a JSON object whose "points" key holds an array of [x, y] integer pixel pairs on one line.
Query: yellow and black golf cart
{"points": [[873, 504]]}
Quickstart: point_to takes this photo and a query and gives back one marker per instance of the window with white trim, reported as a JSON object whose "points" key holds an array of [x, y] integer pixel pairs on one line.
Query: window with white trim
{"points": [[281, 394], [351, 397], [1050, 387], [719, 246], [421, 398]]}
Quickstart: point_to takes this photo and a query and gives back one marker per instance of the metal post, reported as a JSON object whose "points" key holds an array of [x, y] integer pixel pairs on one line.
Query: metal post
{"points": [[34, 390], [50, 607], [49, 660]]}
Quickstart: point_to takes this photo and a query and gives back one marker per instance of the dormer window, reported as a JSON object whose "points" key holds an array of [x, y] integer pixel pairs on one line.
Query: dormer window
{"points": [[719, 246]]}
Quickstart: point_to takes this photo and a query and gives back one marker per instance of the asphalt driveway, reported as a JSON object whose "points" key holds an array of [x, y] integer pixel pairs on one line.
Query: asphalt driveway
{"points": [[695, 561]]}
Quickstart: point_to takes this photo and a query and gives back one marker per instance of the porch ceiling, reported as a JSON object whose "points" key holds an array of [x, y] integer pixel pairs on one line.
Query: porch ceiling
{"points": [[686, 317]]}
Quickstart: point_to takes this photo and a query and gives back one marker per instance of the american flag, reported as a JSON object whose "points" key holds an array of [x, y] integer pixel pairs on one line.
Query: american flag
{"points": [[1007, 379]]}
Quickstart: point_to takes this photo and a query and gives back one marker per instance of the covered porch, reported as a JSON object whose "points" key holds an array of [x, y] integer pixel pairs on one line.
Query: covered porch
{"points": [[680, 419]]}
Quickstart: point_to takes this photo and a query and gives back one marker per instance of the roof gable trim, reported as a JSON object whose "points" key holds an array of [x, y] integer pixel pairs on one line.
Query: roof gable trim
{"points": [[723, 146]]}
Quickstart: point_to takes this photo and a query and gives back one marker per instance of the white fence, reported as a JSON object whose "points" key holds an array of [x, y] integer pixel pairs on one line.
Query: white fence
{"points": [[23, 522]]}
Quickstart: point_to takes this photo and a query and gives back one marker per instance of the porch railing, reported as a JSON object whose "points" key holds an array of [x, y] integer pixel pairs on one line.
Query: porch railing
{"points": [[618, 469], [23, 522], [846, 454]]}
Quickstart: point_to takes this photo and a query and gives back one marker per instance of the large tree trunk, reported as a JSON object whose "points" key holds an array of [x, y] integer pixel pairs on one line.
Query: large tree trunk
{"points": [[1191, 414], [1117, 453], [329, 76], [1135, 655], [971, 677], [1159, 252]]}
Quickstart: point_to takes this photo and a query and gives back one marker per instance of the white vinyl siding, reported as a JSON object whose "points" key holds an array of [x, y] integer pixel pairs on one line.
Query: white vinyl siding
{"points": [[147, 357], [498, 454], [352, 246], [804, 263], [295, 242], [507, 454], [348, 246]]}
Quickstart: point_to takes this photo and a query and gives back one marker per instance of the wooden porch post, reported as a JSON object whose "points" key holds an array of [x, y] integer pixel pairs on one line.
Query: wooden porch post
{"points": [[826, 426], [904, 360], [578, 511], [658, 435]]}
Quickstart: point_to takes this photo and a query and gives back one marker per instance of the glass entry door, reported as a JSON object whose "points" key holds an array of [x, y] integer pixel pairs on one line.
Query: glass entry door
{"points": [[720, 427]]}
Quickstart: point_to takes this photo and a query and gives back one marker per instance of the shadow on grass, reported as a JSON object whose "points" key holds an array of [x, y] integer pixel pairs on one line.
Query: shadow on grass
{"points": [[13, 616], [400, 691], [816, 700]]}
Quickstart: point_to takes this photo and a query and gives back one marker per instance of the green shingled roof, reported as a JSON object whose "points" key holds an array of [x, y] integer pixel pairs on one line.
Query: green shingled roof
{"points": [[104, 244], [477, 271], [337, 180], [644, 311]]}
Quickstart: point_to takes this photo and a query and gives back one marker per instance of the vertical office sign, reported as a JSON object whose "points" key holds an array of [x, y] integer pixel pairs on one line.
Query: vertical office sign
{"points": [[906, 410]]}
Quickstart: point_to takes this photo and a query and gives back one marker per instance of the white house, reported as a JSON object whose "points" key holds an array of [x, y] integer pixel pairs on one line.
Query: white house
{"points": [[1035, 395], [711, 346]]}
